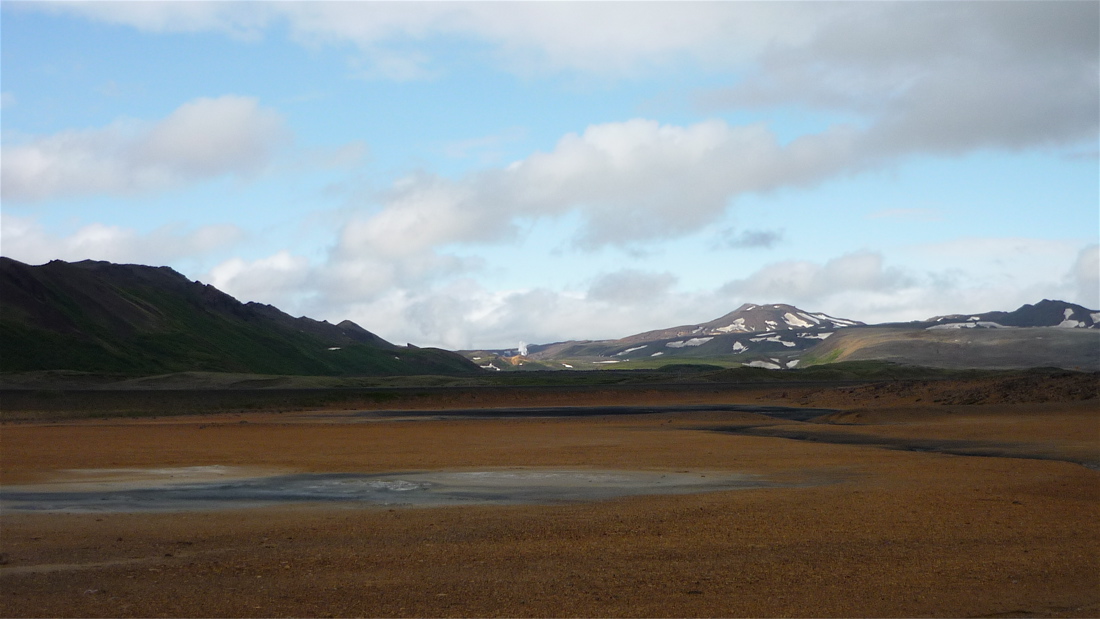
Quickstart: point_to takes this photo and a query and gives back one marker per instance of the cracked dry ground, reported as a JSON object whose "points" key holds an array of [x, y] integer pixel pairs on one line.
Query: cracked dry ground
{"points": [[853, 530]]}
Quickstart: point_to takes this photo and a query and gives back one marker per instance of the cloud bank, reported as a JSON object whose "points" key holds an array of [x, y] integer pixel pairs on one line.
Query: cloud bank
{"points": [[27, 241], [202, 139]]}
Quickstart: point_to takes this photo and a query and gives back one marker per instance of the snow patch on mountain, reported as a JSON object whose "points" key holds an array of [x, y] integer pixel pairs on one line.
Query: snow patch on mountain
{"points": [[1069, 322], [796, 322], [695, 341], [735, 326], [767, 365], [981, 324], [773, 338], [773, 364]]}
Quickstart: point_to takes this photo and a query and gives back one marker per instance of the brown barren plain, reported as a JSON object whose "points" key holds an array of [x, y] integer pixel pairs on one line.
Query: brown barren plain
{"points": [[859, 524]]}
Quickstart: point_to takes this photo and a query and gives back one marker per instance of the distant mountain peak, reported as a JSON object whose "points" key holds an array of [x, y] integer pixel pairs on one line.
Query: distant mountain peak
{"points": [[754, 318], [1045, 313], [752, 329]]}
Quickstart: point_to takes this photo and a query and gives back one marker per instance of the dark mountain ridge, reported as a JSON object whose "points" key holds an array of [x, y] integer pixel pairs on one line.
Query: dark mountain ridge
{"points": [[99, 316], [1045, 313]]}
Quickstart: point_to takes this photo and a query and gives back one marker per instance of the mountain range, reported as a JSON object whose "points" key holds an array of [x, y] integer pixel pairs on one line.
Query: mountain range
{"points": [[101, 317], [749, 330], [1046, 313], [95, 316], [779, 336]]}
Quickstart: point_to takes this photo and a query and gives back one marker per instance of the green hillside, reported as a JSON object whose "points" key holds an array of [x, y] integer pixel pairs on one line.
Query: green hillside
{"points": [[102, 317]]}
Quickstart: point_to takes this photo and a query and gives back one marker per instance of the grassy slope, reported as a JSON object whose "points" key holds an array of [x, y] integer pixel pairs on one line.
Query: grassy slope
{"points": [[1077, 349], [153, 324]]}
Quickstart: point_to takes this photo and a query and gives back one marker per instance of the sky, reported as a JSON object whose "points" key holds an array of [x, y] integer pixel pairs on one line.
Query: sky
{"points": [[476, 175]]}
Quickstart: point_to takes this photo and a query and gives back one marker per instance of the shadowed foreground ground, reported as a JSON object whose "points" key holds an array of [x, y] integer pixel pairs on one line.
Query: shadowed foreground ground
{"points": [[853, 527]]}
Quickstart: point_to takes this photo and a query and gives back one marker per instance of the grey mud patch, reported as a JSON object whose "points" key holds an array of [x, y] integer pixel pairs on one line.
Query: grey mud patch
{"points": [[413, 489]]}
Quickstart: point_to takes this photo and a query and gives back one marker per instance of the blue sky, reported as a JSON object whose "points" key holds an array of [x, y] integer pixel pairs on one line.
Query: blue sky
{"points": [[479, 174]]}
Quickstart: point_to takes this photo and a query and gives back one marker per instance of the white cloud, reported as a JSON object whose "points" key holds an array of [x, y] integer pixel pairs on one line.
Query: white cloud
{"points": [[967, 275], [245, 20], [631, 182], [1084, 276], [526, 37], [27, 241], [945, 78], [1000, 260], [276, 279], [460, 313], [942, 77], [202, 139], [804, 281], [464, 315]]}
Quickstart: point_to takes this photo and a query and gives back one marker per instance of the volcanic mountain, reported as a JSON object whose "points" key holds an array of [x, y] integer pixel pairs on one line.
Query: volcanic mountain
{"points": [[764, 335], [101, 317]]}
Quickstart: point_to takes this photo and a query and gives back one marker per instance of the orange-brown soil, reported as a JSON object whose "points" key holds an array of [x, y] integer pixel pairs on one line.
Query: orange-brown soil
{"points": [[858, 529]]}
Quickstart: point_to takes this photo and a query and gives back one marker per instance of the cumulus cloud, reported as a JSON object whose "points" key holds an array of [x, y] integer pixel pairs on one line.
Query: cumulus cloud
{"points": [[1084, 276], [929, 77], [967, 274], [275, 279], [944, 78], [464, 315], [804, 281], [204, 138], [461, 313], [27, 241], [630, 182], [1003, 262], [525, 37]]}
